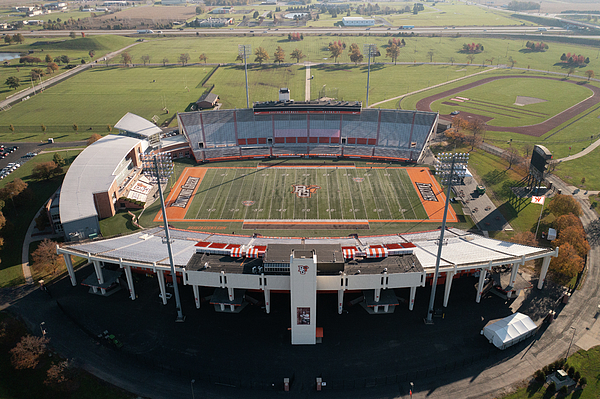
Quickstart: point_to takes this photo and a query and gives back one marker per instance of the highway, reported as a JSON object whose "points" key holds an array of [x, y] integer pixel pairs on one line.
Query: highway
{"points": [[445, 30]]}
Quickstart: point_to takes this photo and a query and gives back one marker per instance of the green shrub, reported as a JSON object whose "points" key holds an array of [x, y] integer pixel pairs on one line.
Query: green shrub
{"points": [[577, 376], [539, 376], [551, 388], [565, 366], [563, 390], [583, 381], [571, 371]]}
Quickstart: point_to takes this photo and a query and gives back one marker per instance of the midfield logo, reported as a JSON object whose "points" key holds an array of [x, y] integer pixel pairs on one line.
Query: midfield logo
{"points": [[358, 179], [303, 191], [302, 269], [247, 203]]}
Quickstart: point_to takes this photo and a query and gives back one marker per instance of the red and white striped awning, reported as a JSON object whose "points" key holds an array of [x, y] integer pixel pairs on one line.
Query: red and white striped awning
{"points": [[377, 253], [349, 253], [252, 252], [236, 252]]}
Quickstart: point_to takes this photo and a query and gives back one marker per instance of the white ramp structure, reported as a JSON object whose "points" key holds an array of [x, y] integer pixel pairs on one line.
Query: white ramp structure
{"points": [[510, 330]]}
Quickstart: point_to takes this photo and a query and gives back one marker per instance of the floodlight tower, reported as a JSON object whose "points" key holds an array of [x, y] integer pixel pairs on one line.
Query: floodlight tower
{"points": [[370, 50], [245, 50], [158, 168], [452, 168]]}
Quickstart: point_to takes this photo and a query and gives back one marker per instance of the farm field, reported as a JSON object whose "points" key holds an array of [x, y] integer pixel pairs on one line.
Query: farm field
{"points": [[498, 100], [306, 193]]}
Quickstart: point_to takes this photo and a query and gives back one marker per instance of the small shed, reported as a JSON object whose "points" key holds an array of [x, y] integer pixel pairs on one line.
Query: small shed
{"points": [[510, 330], [208, 100]]}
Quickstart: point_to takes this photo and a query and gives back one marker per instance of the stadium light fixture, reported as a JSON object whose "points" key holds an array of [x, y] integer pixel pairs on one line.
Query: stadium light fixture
{"points": [[244, 50], [370, 50], [451, 168], [158, 168]]}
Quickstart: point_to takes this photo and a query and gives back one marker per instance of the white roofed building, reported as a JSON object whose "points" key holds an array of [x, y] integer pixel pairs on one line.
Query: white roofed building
{"points": [[95, 181], [357, 21], [135, 126]]}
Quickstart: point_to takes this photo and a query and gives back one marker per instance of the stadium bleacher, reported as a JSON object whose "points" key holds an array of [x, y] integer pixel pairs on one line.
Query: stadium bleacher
{"points": [[370, 133]]}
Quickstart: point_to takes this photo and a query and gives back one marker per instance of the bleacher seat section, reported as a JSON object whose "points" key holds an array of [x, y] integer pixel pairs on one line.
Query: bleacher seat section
{"points": [[372, 133]]}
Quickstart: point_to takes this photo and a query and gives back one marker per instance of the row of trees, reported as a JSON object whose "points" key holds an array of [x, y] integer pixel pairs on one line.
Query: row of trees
{"points": [[16, 38], [464, 131], [523, 5], [295, 37]]}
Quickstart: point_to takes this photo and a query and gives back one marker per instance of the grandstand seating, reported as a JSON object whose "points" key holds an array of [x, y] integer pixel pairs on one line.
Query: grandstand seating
{"points": [[371, 133]]}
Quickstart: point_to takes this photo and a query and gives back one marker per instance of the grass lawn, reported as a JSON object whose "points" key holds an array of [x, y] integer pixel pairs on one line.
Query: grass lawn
{"points": [[117, 224], [88, 101], [497, 99], [586, 167], [18, 219], [264, 83], [76, 49], [315, 48], [586, 362]]}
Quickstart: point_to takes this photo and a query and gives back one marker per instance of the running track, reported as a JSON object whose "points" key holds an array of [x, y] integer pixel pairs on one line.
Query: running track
{"points": [[536, 130]]}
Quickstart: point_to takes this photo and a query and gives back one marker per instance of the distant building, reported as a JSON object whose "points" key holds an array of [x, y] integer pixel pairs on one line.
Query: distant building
{"points": [[222, 10], [114, 3], [213, 22], [56, 6], [172, 2], [357, 21]]}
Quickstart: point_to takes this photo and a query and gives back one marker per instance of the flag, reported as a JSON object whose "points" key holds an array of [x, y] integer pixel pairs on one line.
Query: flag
{"points": [[538, 200]]}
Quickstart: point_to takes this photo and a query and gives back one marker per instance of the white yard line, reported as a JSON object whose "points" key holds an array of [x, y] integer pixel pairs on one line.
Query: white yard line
{"points": [[307, 84]]}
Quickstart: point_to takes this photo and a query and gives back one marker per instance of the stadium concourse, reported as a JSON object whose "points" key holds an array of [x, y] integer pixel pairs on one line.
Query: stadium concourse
{"points": [[224, 267]]}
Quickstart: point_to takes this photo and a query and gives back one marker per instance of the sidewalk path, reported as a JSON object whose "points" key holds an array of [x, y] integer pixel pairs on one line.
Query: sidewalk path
{"points": [[580, 154], [307, 84]]}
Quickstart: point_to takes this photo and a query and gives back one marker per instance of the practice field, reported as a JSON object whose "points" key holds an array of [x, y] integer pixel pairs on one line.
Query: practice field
{"points": [[503, 102], [309, 196]]}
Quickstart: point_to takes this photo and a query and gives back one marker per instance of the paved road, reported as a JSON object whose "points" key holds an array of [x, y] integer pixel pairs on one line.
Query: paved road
{"points": [[580, 154]]}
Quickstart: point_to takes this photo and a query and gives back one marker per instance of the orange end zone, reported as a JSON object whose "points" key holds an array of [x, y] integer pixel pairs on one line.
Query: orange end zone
{"points": [[176, 213], [434, 209]]}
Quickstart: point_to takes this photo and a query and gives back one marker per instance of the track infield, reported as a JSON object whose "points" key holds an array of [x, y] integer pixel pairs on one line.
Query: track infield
{"points": [[306, 197], [535, 130]]}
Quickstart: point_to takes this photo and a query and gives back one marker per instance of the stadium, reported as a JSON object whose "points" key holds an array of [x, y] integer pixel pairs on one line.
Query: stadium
{"points": [[380, 272]]}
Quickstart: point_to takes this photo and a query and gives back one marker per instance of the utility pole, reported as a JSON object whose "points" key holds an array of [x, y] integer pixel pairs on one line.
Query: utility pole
{"points": [[244, 50]]}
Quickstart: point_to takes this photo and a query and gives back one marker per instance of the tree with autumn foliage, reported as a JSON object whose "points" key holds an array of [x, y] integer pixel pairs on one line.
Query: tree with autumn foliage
{"points": [[539, 46], [472, 48], [575, 236], [525, 238], [336, 50], [279, 55], [563, 205], [45, 259], [28, 352], [93, 138], [566, 265]]}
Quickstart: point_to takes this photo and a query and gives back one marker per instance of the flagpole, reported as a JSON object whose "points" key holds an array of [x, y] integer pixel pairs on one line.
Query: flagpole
{"points": [[540, 219]]}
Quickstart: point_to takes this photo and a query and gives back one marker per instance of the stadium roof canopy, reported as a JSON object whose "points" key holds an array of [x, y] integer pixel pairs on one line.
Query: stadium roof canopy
{"points": [[92, 172], [461, 250], [138, 125]]}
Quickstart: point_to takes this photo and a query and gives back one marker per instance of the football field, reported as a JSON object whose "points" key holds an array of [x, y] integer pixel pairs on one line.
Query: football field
{"points": [[288, 196]]}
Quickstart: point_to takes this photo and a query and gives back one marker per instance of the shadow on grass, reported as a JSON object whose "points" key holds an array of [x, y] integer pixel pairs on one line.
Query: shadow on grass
{"points": [[565, 65], [533, 388]]}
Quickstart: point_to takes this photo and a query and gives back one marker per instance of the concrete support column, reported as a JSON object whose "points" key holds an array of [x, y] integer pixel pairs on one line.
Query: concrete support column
{"points": [[544, 271], [230, 293], [377, 294], [69, 264], [340, 301], [98, 270], [161, 285], [482, 275], [411, 301], [513, 277], [449, 278], [196, 296], [130, 282], [267, 300]]}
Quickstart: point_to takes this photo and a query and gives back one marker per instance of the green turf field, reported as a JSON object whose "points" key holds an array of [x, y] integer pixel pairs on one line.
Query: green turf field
{"points": [[338, 193], [497, 99]]}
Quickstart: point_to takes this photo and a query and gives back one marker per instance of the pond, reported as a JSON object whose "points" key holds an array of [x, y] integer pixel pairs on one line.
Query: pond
{"points": [[9, 56]]}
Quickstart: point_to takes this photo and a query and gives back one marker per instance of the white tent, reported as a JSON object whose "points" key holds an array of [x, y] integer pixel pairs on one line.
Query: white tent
{"points": [[510, 330]]}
